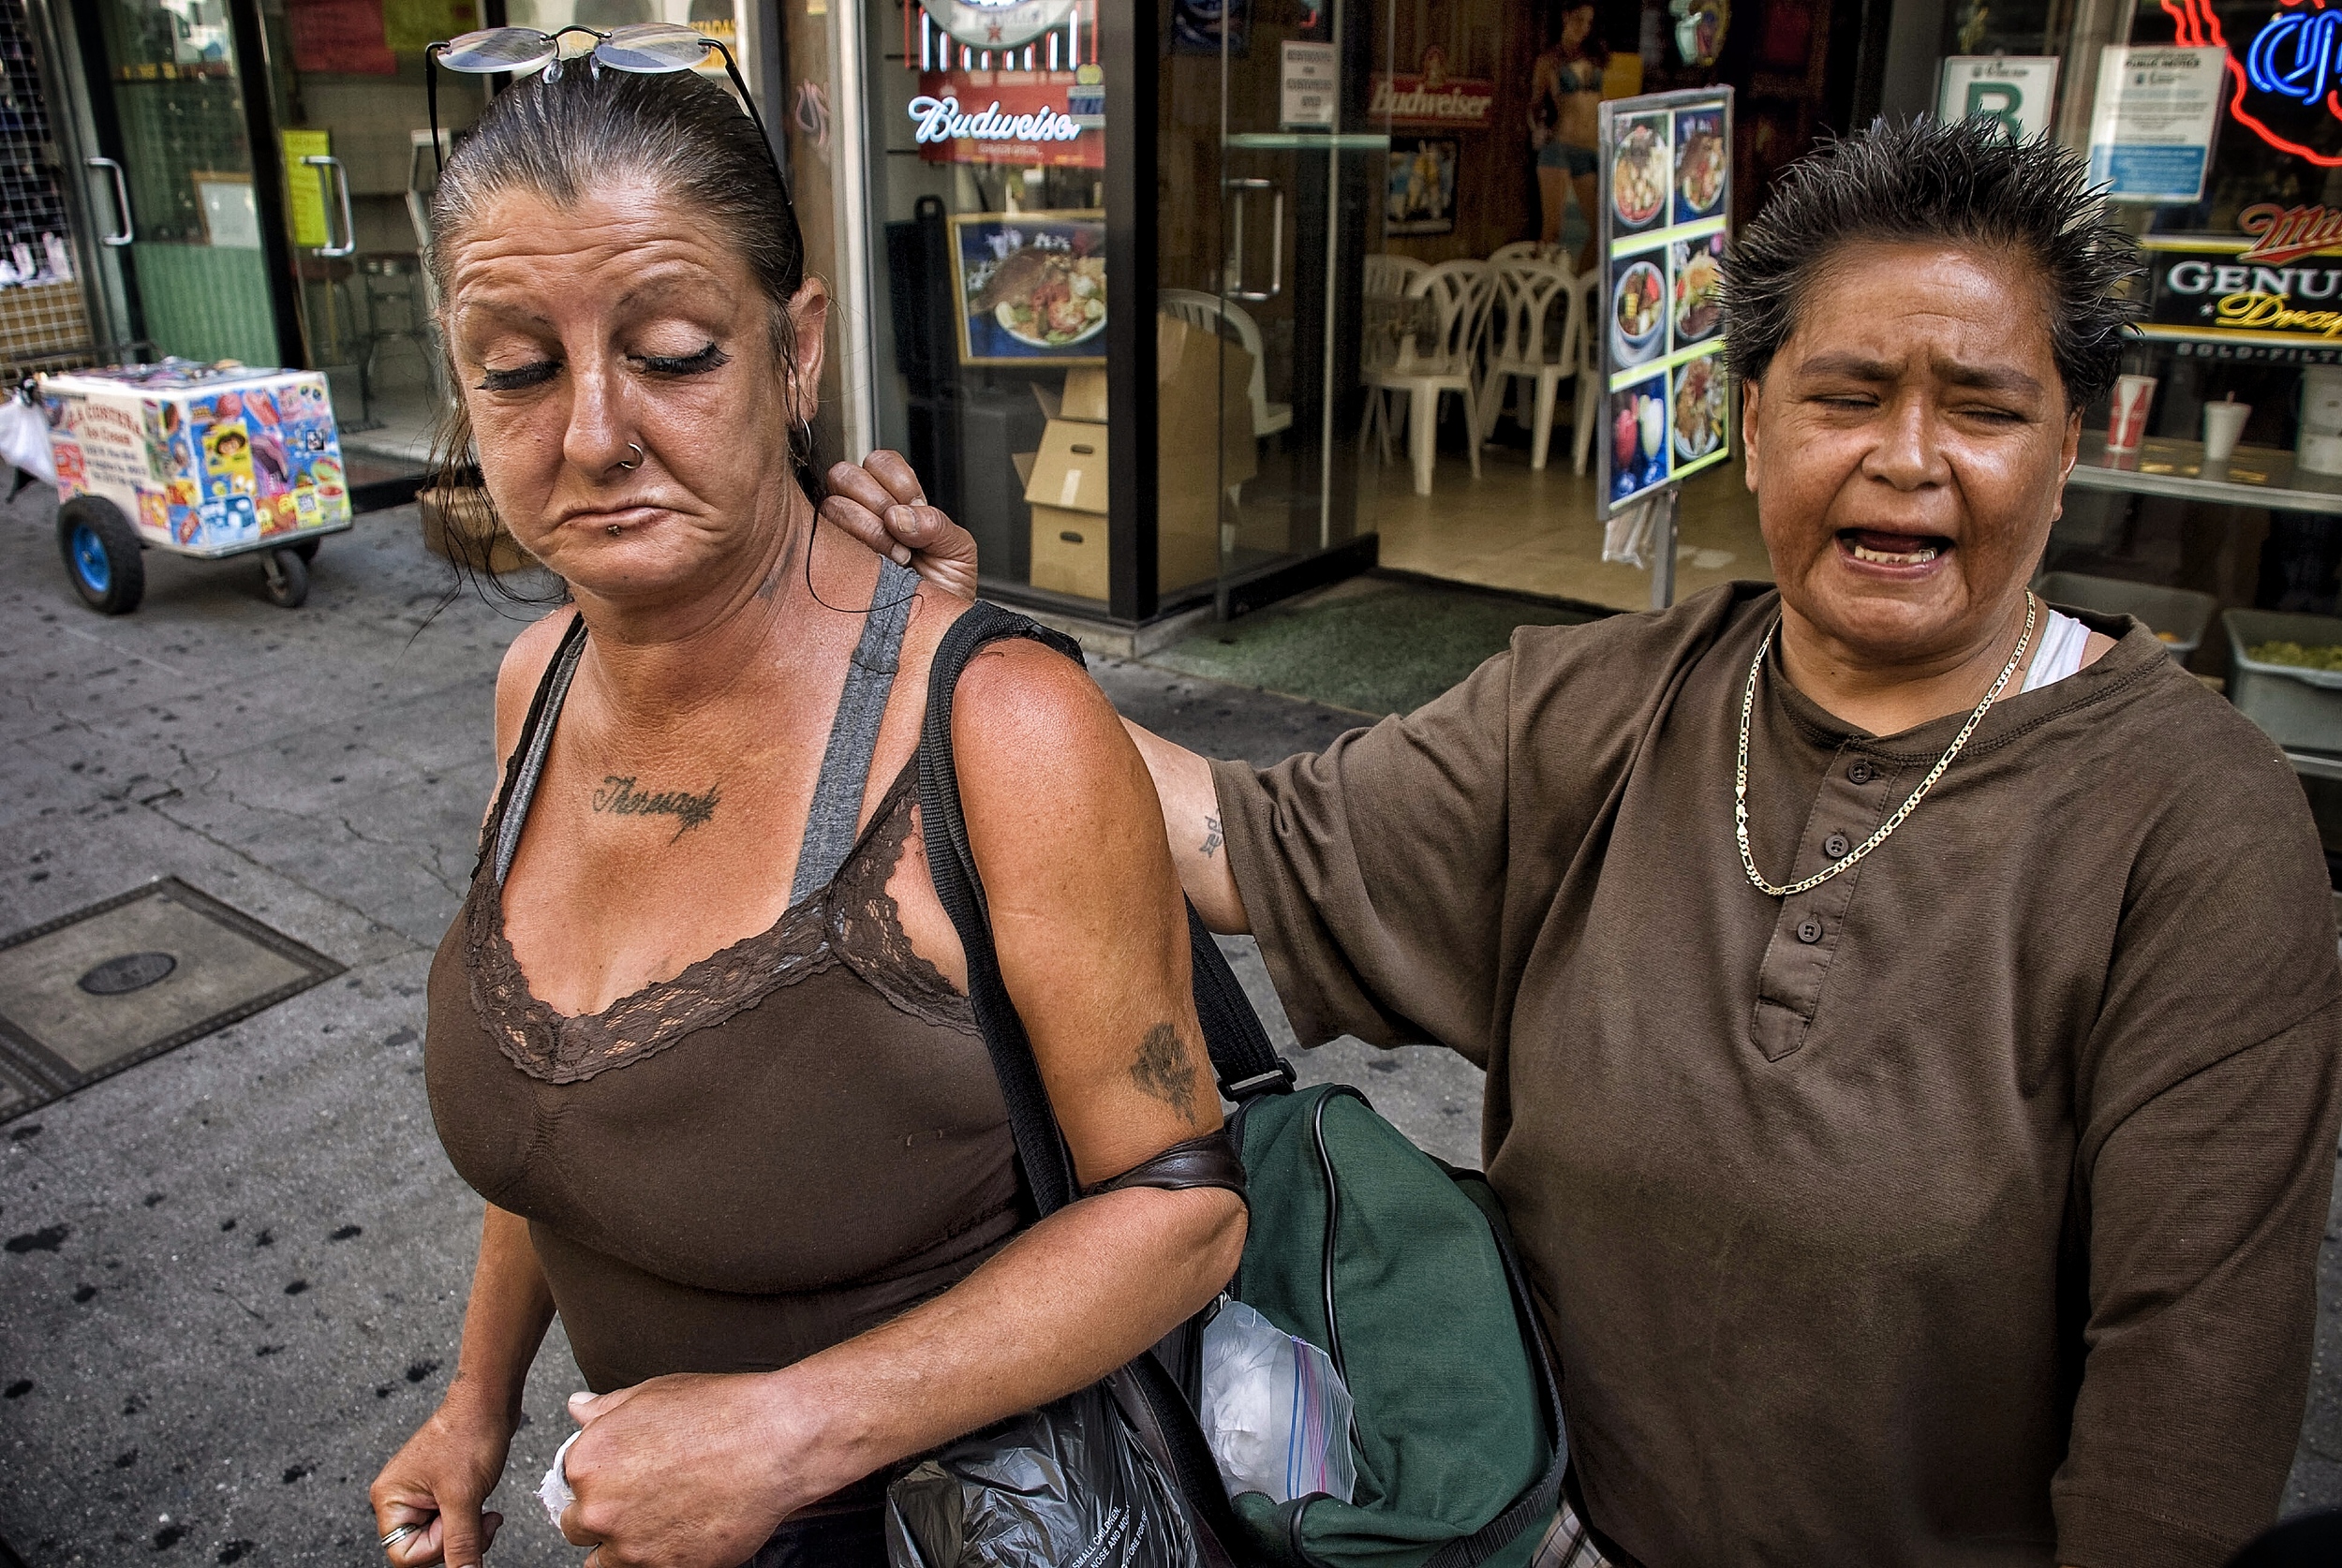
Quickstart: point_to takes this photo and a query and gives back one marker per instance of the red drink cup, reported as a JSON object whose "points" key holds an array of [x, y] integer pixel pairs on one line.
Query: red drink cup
{"points": [[2127, 425]]}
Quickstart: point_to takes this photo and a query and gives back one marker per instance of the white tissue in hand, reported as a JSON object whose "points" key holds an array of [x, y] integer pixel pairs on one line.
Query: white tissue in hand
{"points": [[1274, 1410], [554, 1490]]}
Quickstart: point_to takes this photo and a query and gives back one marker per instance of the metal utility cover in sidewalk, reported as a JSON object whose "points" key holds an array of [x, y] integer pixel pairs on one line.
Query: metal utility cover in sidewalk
{"points": [[123, 981]]}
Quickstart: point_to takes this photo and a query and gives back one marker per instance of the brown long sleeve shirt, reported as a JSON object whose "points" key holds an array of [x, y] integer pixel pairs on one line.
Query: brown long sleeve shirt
{"points": [[1962, 1210]]}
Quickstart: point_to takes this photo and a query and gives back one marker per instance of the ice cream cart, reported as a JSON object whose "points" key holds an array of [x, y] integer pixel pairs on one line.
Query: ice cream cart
{"points": [[198, 460]]}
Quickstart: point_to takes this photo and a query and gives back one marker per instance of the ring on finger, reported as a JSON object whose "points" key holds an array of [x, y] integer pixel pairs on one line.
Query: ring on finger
{"points": [[395, 1536]]}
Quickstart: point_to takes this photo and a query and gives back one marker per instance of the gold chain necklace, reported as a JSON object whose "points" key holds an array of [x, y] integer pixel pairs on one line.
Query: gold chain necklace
{"points": [[1740, 777]]}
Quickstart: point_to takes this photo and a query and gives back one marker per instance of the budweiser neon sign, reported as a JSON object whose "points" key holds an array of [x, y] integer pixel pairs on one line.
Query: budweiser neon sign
{"points": [[942, 120]]}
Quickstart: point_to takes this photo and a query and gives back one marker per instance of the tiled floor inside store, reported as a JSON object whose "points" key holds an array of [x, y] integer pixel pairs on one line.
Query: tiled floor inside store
{"points": [[1539, 533]]}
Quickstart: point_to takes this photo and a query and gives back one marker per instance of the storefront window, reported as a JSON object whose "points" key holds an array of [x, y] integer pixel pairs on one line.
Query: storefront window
{"points": [[2218, 129], [991, 328]]}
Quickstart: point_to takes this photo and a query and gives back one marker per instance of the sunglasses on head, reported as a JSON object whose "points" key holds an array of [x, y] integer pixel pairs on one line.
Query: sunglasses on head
{"points": [[643, 48]]}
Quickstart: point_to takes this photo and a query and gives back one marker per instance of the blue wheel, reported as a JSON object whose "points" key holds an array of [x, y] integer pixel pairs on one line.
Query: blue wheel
{"points": [[101, 554], [89, 562]]}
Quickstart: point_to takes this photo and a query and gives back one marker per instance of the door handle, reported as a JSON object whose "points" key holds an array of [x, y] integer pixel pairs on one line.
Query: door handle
{"points": [[122, 204], [341, 193], [1276, 239]]}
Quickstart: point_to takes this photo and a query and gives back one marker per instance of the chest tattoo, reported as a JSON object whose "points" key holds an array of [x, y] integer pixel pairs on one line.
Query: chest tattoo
{"points": [[618, 797]]}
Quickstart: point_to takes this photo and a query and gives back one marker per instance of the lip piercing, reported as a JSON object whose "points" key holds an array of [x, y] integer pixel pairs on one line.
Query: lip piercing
{"points": [[638, 457], [614, 530]]}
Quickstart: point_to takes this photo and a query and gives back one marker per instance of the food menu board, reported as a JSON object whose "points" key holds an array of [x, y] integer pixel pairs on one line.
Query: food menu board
{"points": [[1667, 206]]}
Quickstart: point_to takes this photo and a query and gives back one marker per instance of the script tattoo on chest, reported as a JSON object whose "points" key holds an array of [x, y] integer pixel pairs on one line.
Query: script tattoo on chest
{"points": [[618, 797]]}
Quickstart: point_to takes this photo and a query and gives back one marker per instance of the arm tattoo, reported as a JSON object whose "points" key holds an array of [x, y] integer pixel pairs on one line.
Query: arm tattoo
{"points": [[1211, 837], [1164, 1071], [618, 797]]}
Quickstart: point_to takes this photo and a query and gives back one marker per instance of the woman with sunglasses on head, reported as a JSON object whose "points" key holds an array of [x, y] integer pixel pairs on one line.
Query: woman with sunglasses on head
{"points": [[697, 1035]]}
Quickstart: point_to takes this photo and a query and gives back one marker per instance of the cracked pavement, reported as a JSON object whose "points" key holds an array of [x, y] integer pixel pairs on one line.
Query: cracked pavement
{"points": [[231, 1278]]}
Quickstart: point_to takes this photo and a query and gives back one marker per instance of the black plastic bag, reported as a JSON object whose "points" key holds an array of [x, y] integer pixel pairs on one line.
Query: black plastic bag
{"points": [[1066, 1484]]}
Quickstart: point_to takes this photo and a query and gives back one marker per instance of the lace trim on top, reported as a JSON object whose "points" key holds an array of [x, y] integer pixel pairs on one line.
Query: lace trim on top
{"points": [[853, 920]]}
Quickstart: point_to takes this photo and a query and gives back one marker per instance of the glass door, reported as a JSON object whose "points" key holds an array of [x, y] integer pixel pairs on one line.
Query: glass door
{"points": [[347, 96], [1265, 113], [174, 185]]}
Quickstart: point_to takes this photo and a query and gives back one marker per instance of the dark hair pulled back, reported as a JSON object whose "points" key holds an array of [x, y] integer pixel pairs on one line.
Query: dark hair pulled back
{"points": [[576, 128]]}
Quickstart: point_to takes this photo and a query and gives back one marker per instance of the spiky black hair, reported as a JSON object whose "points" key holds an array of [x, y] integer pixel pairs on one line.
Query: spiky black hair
{"points": [[1963, 184]]}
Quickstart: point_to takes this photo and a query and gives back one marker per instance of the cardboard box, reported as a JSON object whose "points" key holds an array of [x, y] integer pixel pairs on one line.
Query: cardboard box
{"points": [[1203, 383], [1083, 396], [1069, 552], [203, 460], [1066, 488], [459, 527]]}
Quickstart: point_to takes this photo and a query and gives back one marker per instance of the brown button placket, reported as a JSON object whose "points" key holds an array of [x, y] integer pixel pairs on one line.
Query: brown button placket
{"points": [[1857, 794]]}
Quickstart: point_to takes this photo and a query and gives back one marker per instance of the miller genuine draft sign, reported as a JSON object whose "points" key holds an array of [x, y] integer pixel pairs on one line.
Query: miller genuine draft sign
{"points": [[2271, 294]]}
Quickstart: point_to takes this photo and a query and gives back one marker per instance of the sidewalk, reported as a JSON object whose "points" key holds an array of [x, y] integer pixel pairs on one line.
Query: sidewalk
{"points": [[231, 1278]]}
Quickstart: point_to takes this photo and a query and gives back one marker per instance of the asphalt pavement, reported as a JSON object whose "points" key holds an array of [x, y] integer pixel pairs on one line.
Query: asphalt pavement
{"points": [[232, 1276]]}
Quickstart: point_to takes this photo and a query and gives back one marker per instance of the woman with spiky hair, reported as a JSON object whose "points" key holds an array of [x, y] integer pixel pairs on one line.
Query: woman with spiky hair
{"points": [[1911, 1012]]}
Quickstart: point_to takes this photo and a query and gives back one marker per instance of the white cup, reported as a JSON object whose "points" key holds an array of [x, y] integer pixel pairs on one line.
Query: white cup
{"points": [[2318, 454], [2223, 424]]}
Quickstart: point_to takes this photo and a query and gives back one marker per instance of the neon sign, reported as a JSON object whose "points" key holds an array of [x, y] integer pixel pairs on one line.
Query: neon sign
{"points": [[2281, 234], [942, 120], [2296, 55]]}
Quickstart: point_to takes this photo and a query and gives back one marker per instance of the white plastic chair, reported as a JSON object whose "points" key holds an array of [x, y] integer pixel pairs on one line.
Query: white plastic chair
{"points": [[1214, 315], [1459, 291], [1589, 290], [1531, 250], [1390, 275], [1534, 322]]}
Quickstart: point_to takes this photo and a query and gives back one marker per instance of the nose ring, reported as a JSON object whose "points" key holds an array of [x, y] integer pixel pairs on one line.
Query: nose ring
{"points": [[638, 458]]}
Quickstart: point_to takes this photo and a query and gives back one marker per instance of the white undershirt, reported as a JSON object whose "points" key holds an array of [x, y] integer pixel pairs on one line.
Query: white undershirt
{"points": [[2064, 641]]}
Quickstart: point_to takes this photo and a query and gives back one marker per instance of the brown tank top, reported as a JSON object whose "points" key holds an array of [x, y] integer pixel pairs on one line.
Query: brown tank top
{"points": [[789, 1142]]}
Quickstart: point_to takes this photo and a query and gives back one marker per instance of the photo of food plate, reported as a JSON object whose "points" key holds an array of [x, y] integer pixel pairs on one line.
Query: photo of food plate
{"points": [[1639, 172], [1698, 305], [1701, 407], [1702, 162], [1031, 286], [1637, 310], [1046, 298], [1637, 431]]}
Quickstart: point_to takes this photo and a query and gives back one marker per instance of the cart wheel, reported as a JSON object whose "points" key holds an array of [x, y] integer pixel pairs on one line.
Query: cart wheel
{"points": [[306, 549], [286, 577], [101, 554]]}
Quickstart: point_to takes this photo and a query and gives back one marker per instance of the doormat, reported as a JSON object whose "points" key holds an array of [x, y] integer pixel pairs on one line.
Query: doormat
{"points": [[120, 982]]}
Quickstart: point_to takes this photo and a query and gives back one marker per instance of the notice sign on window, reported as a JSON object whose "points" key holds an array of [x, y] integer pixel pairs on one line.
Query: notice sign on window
{"points": [[2151, 128], [1309, 89]]}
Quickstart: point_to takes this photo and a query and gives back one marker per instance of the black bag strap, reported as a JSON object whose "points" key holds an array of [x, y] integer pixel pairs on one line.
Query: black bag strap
{"points": [[1241, 1052], [1242, 1059]]}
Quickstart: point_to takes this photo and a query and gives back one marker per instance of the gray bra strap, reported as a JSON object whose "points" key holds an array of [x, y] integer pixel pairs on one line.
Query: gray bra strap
{"points": [[829, 829], [534, 744]]}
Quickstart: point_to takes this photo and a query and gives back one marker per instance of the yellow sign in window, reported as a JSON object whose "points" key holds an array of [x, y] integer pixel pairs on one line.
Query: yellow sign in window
{"points": [[304, 187]]}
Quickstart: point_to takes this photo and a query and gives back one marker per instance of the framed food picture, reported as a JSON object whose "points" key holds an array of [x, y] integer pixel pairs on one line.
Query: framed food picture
{"points": [[1642, 170], [1638, 429], [1697, 310], [1700, 411], [1702, 163], [1639, 313], [1030, 287], [1421, 198]]}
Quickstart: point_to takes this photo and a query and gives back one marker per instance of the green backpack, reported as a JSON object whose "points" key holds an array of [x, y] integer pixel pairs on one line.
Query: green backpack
{"points": [[1399, 1267]]}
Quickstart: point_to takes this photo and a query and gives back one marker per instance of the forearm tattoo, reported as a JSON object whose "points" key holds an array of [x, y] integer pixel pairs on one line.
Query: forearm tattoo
{"points": [[1212, 840], [1164, 1071], [618, 797]]}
